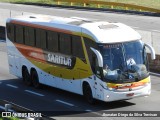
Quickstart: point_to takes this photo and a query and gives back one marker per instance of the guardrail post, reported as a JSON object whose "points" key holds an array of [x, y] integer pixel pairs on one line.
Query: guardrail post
{"points": [[71, 3], [98, 5], [112, 6], [58, 2], [7, 107]]}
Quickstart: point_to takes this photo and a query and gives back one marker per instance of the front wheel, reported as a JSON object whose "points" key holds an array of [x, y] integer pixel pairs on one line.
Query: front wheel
{"points": [[88, 94]]}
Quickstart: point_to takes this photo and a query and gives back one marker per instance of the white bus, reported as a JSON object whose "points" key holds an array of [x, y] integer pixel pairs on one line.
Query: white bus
{"points": [[100, 60]]}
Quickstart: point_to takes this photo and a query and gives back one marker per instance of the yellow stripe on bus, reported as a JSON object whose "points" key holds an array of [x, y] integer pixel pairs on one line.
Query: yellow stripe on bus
{"points": [[133, 84]]}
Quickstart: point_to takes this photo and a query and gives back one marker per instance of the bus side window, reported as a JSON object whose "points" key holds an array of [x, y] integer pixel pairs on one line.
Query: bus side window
{"points": [[41, 38], [10, 31], [52, 41], [19, 34], [77, 48], [26, 36], [38, 42], [65, 44], [32, 36], [29, 36]]}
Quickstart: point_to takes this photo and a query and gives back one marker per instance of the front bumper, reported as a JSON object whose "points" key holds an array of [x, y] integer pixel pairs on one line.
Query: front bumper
{"points": [[110, 95]]}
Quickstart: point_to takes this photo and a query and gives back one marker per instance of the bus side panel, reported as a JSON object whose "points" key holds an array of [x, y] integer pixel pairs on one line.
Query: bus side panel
{"points": [[11, 62], [45, 78], [69, 85], [18, 66], [11, 57]]}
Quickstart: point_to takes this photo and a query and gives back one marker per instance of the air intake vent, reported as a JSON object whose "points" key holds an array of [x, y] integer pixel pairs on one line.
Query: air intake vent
{"points": [[32, 17], [108, 26]]}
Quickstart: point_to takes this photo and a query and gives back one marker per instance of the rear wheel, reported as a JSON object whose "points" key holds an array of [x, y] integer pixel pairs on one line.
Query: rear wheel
{"points": [[87, 92], [35, 79], [26, 77]]}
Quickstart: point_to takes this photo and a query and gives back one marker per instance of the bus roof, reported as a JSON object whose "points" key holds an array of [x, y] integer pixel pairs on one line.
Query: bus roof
{"points": [[99, 31]]}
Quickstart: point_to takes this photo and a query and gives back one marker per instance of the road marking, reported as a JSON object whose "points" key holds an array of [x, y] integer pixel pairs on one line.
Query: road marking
{"points": [[146, 96], [35, 93], [13, 86], [66, 103], [156, 30]]}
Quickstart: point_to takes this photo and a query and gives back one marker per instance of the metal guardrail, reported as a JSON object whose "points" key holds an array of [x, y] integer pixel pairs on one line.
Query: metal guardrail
{"points": [[111, 5]]}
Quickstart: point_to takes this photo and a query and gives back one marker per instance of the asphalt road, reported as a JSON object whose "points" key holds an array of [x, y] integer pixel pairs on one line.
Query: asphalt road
{"points": [[51, 101], [148, 23]]}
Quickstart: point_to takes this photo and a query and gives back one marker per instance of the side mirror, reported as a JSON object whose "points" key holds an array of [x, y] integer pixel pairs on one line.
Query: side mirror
{"points": [[153, 56], [99, 57]]}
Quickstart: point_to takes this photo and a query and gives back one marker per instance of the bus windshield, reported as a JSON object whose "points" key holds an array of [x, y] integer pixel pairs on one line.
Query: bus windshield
{"points": [[124, 62]]}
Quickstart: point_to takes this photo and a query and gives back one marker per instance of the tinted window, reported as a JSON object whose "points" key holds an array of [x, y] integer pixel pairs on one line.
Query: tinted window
{"points": [[41, 38], [65, 44], [32, 36], [38, 42], [77, 49], [52, 41], [10, 31], [29, 34], [19, 34]]}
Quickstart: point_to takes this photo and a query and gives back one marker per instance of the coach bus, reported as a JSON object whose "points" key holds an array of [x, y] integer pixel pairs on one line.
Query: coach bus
{"points": [[100, 60]]}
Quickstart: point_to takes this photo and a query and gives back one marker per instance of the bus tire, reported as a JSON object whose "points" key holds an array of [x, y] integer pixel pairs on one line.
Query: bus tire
{"points": [[87, 92], [26, 77], [35, 79]]}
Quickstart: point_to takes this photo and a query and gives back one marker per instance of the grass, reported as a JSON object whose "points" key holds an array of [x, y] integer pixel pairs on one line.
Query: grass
{"points": [[147, 3], [32, 1]]}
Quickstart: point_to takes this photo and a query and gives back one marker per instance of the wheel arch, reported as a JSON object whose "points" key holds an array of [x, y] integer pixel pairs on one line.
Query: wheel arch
{"points": [[84, 83]]}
